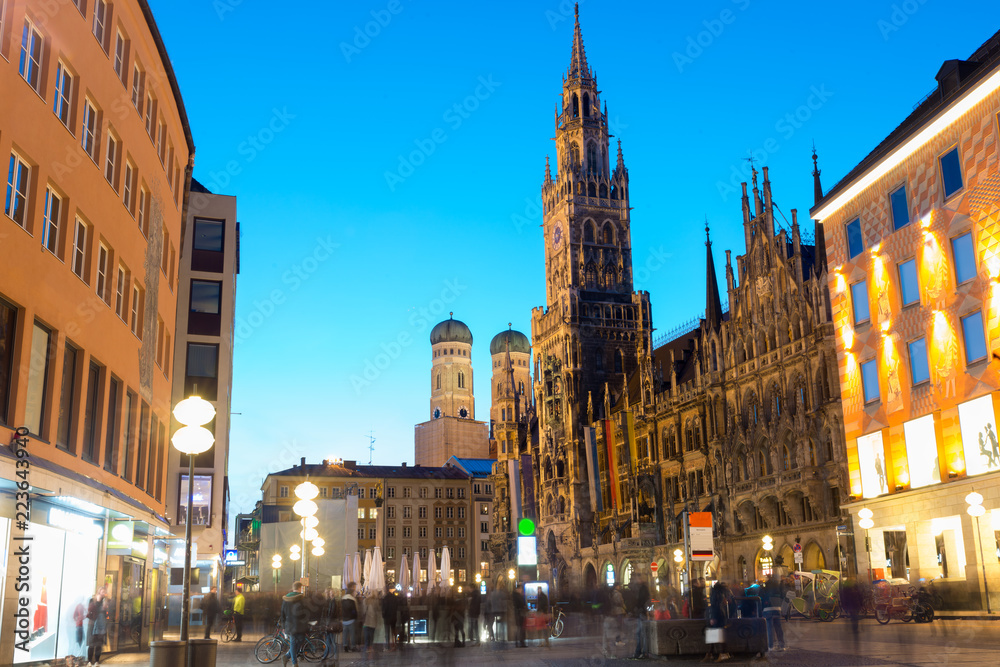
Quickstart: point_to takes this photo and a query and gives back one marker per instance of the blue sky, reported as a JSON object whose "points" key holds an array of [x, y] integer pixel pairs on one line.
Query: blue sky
{"points": [[371, 205]]}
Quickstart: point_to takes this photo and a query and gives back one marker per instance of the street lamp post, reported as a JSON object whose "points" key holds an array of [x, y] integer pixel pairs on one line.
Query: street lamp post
{"points": [[276, 567], [866, 522], [294, 554], [768, 544], [976, 510], [306, 509], [191, 438]]}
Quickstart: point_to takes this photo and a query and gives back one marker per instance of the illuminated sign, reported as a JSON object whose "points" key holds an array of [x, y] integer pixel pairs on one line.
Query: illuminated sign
{"points": [[871, 458], [921, 452], [979, 435], [75, 523], [527, 550], [700, 533], [526, 526], [121, 535], [232, 557]]}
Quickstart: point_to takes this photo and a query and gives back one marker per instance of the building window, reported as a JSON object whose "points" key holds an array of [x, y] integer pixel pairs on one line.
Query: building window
{"points": [[16, 202], [909, 287], [390, 492], [129, 185], [8, 322], [361, 533], [323, 491], [449, 532], [869, 380], [371, 533], [951, 172], [484, 546], [484, 509], [283, 492], [67, 389], [475, 488], [38, 374], [111, 161], [406, 531], [137, 88], [919, 369], [202, 370], [422, 531], [111, 428], [361, 512], [965, 258], [100, 20], [900, 208], [390, 511], [150, 113], [80, 250], [373, 513], [92, 414], [461, 554], [206, 297], [406, 511], [437, 512], [450, 512], [461, 531], [855, 241], [30, 65], [136, 305], [390, 531], [144, 207], [63, 95], [422, 512], [120, 44], [461, 512], [121, 285], [437, 492], [89, 129], [461, 493], [859, 299], [50, 225], [406, 492], [489, 489], [484, 527], [437, 532], [450, 493], [972, 333], [102, 272]]}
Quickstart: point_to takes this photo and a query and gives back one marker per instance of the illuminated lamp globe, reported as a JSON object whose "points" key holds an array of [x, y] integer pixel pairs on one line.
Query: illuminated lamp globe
{"points": [[865, 513], [510, 574], [976, 510], [276, 557], [192, 440], [974, 498], [309, 534], [305, 508], [194, 411], [866, 523], [294, 548], [318, 551], [275, 564], [306, 491], [319, 542], [310, 522], [295, 555]]}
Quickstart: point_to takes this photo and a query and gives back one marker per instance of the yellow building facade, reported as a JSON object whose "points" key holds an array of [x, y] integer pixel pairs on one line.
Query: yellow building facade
{"points": [[914, 266]]}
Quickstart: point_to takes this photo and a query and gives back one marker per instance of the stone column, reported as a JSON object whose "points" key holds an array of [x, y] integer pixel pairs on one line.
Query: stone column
{"points": [[921, 544], [973, 566]]}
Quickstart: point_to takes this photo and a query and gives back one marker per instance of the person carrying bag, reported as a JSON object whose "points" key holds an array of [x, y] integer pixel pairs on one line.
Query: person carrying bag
{"points": [[717, 617]]}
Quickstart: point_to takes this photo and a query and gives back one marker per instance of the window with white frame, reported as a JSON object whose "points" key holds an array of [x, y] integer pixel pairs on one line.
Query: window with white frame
{"points": [[88, 134], [120, 56], [137, 88], [951, 172], [150, 113], [111, 160], [30, 64], [50, 228], [129, 186], [100, 20], [136, 293], [63, 95], [103, 257], [964, 255], [161, 141], [869, 381], [16, 203], [859, 299], [972, 334], [80, 249], [121, 284], [143, 217]]}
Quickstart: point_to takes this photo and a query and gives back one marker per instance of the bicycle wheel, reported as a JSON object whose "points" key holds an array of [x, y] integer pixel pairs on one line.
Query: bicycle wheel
{"points": [[906, 616], [557, 628], [882, 615], [228, 633], [314, 649], [269, 649], [826, 615]]}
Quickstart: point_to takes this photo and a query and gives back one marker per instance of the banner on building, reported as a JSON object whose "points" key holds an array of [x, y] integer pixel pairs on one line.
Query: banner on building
{"points": [[528, 503], [594, 476], [871, 460], [628, 430], [700, 533], [979, 435], [609, 439], [514, 484]]}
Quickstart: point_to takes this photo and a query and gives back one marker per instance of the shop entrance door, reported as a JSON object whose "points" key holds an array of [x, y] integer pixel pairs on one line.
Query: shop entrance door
{"points": [[130, 601]]}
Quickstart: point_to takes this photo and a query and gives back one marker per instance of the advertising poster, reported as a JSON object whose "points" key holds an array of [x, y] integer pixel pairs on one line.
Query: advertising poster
{"points": [[979, 435], [871, 457], [922, 452], [201, 506], [700, 532]]}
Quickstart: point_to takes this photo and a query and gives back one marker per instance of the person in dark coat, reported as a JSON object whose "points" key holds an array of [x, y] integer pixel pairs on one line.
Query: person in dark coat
{"points": [[210, 609], [390, 616], [331, 621], [294, 619], [520, 613], [475, 607], [698, 598], [640, 609], [543, 609], [718, 616], [97, 625], [773, 595], [349, 614]]}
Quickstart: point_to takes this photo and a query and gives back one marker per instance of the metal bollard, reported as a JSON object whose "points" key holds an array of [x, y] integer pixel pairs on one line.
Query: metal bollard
{"points": [[166, 654], [201, 652]]}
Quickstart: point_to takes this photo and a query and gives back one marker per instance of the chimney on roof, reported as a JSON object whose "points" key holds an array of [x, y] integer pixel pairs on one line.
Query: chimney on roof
{"points": [[404, 464], [303, 463], [351, 465]]}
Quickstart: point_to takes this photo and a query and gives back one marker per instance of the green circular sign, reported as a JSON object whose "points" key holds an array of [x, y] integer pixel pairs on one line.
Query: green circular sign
{"points": [[526, 526]]}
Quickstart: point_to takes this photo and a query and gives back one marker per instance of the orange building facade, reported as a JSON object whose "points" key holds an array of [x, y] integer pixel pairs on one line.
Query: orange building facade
{"points": [[96, 153], [914, 255]]}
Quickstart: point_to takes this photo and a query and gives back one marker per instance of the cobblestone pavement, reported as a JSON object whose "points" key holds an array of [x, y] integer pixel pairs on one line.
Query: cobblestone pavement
{"points": [[942, 643]]}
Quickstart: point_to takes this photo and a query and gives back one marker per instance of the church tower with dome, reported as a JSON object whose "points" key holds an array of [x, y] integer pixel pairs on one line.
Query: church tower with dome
{"points": [[452, 429], [510, 389]]}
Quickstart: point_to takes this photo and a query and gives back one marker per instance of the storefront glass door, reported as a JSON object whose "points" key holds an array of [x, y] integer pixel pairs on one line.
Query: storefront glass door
{"points": [[130, 602]]}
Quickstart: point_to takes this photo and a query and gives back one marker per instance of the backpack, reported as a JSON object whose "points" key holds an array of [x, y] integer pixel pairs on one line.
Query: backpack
{"points": [[92, 610]]}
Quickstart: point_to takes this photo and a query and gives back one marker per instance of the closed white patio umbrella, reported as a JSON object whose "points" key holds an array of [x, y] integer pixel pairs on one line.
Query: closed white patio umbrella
{"points": [[347, 577], [404, 575], [445, 568], [377, 572], [368, 570], [416, 573], [356, 569], [431, 571]]}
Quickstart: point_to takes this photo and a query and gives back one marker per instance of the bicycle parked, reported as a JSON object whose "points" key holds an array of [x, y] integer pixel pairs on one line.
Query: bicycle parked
{"points": [[228, 633], [271, 647], [558, 625]]}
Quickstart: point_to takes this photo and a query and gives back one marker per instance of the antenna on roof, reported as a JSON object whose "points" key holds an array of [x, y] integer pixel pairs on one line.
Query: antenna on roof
{"points": [[371, 446]]}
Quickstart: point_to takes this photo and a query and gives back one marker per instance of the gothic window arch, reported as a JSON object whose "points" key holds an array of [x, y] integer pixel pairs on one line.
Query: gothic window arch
{"points": [[688, 436], [586, 105], [603, 191], [574, 153], [741, 355], [742, 468], [697, 433], [520, 387], [786, 458], [592, 157], [438, 380], [810, 453], [560, 468], [608, 234], [591, 187], [715, 358], [461, 380], [618, 361], [588, 231], [610, 276], [590, 276], [576, 105]]}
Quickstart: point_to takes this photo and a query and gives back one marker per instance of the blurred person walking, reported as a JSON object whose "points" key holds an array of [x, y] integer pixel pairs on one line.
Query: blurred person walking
{"points": [[294, 621], [773, 595], [349, 617]]}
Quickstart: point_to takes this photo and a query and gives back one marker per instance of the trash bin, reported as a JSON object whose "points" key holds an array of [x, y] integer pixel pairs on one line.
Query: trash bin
{"points": [[201, 652], [166, 654]]}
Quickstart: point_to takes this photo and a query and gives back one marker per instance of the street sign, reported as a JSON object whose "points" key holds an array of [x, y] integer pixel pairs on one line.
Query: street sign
{"points": [[797, 548], [798, 557], [700, 531], [841, 527], [653, 567]]}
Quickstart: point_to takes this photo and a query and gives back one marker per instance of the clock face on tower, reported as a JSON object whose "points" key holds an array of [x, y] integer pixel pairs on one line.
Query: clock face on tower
{"points": [[463, 413], [437, 413], [557, 237]]}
